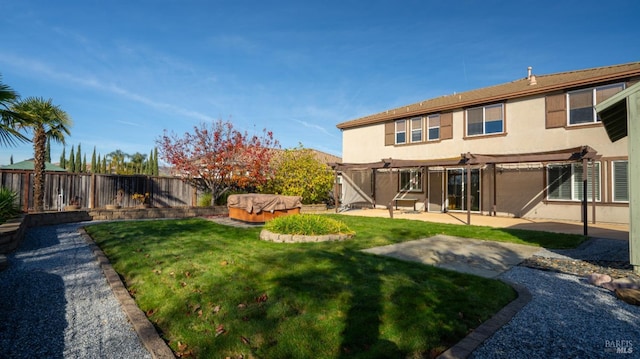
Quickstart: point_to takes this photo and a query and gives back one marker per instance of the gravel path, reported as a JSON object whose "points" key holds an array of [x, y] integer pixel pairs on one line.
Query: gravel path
{"points": [[568, 317], [56, 303]]}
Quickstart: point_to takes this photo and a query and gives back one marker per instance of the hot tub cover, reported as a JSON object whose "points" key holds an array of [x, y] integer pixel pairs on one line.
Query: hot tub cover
{"points": [[256, 203]]}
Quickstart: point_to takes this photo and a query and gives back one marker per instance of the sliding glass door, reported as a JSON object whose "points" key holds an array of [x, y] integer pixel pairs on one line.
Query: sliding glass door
{"points": [[457, 189]]}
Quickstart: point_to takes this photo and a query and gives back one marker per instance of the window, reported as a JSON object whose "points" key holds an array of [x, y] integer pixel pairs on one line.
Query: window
{"points": [[582, 103], [565, 181], [485, 120], [620, 181], [416, 129], [401, 132], [433, 127], [411, 180]]}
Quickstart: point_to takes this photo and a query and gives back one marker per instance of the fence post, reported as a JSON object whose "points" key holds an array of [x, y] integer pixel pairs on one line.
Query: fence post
{"points": [[25, 191]]}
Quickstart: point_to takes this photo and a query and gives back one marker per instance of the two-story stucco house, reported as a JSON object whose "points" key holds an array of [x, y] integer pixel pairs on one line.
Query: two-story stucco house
{"points": [[520, 149]]}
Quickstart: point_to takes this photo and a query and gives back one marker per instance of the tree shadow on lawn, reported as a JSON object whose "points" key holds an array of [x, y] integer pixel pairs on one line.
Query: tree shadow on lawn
{"points": [[391, 308], [318, 300]]}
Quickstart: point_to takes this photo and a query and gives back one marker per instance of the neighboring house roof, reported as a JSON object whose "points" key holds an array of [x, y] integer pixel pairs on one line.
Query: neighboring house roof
{"points": [[326, 157], [320, 156], [528, 86], [28, 166]]}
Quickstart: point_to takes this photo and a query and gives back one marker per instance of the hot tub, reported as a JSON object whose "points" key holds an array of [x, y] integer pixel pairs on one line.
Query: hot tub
{"points": [[260, 208]]}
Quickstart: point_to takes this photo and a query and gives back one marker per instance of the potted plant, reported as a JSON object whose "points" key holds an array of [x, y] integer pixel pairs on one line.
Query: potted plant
{"points": [[141, 199], [74, 204], [117, 201]]}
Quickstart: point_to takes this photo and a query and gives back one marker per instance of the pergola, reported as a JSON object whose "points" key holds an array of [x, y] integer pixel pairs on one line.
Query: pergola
{"points": [[582, 154], [620, 115]]}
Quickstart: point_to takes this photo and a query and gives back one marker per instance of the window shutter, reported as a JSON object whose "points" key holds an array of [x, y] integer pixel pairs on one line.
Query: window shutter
{"points": [[446, 126], [556, 108], [389, 133]]}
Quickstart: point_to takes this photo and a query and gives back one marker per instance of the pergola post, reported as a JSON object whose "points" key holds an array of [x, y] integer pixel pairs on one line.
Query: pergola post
{"points": [[585, 222], [468, 193]]}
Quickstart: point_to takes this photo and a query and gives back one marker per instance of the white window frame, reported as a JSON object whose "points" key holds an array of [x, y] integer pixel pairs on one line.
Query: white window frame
{"points": [[415, 180], [594, 102], [613, 181], [430, 127], [484, 120], [414, 130], [576, 183], [404, 133]]}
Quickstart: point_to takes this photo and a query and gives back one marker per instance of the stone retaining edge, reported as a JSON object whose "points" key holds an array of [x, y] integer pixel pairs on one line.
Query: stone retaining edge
{"points": [[468, 344], [297, 238]]}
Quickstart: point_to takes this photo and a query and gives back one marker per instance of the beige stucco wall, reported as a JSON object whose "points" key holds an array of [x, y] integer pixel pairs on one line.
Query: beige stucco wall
{"points": [[525, 132], [521, 193]]}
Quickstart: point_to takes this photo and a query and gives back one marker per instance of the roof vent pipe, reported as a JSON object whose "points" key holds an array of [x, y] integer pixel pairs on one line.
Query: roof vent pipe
{"points": [[530, 77]]}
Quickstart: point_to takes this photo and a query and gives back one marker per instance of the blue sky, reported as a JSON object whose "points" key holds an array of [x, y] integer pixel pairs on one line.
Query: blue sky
{"points": [[127, 70]]}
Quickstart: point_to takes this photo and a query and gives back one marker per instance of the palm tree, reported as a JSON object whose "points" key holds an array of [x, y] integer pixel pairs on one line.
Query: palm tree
{"points": [[9, 121], [117, 158], [47, 121]]}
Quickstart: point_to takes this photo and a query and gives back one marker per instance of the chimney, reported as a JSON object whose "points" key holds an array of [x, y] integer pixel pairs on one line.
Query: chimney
{"points": [[530, 77]]}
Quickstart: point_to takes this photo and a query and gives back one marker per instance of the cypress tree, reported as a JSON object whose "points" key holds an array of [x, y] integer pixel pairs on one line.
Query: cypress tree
{"points": [[72, 161], [93, 160], [156, 169], [11, 160], [63, 158], [84, 163], [104, 165], [78, 160], [98, 166]]}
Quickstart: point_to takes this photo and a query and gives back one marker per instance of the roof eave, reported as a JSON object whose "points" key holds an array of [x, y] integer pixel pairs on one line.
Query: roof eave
{"points": [[485, 100]]}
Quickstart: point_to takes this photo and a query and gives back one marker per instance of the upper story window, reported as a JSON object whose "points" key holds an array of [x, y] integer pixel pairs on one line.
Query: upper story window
{"points": [[485, 120], [582, 103], [401, 131], [565, 181], [411, 180], [416, 129], [433, 127]]}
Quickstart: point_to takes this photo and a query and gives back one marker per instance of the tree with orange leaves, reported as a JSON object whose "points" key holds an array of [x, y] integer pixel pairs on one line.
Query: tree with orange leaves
{"points": [[218, 158]]}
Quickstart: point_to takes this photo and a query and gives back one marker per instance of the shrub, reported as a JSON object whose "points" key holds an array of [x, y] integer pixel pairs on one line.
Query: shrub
{"points": [[205, 199], [297, 172], [8, 204], [308, 225]]}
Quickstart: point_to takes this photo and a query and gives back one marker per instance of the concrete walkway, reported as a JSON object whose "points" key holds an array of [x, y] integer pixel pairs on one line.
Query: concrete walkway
{"points": [[473, 256], [597, 230]]}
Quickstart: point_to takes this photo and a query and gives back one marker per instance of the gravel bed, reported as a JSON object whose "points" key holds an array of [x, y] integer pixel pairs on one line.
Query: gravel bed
{"points": [[597, 255], [566, 318], [56, 302]]}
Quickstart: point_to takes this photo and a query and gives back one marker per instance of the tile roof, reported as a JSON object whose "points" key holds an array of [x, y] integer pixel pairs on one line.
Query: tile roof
{"points": [[516, 89]]}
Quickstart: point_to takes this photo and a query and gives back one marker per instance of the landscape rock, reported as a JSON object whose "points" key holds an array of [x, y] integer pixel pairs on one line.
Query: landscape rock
{"points": [[629, 283], [599, 279], [631, 296]]}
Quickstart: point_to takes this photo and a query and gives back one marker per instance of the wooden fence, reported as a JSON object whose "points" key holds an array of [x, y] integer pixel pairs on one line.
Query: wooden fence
{"points": [[99, 190]]}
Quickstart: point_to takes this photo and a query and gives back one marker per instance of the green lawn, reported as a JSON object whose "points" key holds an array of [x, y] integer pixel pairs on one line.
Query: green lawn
{"points": [[215, 291]]}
